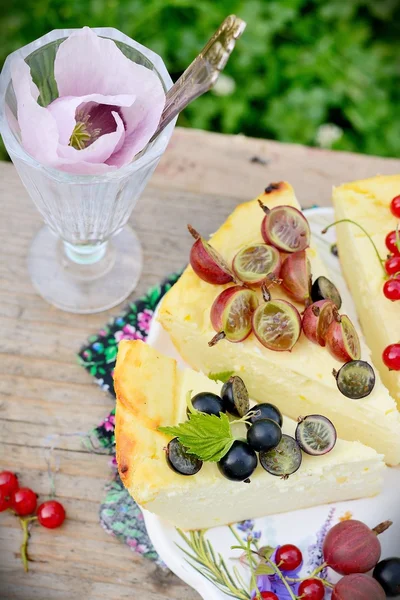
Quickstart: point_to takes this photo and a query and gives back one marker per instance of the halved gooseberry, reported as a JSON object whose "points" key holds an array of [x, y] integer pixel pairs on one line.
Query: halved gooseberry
{"points": [[296, 276], [342, 339], [277, 325], [286, 228], [207, 263], [253, 263], [231, 314], [317, 319]]}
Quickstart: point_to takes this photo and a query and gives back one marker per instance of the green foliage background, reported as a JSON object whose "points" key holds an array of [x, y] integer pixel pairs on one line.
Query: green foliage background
{"points": [[299, 65]]}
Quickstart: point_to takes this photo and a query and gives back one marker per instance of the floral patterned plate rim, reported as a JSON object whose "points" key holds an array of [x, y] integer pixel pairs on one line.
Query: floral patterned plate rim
{"points": [[205, 560]]}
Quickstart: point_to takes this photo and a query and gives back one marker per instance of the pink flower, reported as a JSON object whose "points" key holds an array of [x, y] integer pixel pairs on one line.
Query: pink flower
{"points": [[144, 319], [109, 423], [107, 110], [128, 333]]}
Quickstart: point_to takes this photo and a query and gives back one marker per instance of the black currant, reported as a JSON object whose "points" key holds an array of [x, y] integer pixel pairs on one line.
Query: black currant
{"points": [[264, 434], [387, 573], [323, 289], [265, 411], [284, 460], [235, 396], [239, 462], [209, 403], [180, 461]]}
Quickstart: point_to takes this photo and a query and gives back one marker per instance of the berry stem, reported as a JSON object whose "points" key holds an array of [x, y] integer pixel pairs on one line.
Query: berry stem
{"points": [[382, 527], [195, 234], [24, 546], [219, 336], [264, 208], [381, 260]]}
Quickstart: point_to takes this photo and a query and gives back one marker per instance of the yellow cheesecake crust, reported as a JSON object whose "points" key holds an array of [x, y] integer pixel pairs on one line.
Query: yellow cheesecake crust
{"points": [[300, 381], [151, 391], [368, 203]]}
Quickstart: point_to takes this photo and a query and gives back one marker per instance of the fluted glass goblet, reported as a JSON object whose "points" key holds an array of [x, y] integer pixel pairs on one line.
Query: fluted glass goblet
{"points": [[85, 259]]}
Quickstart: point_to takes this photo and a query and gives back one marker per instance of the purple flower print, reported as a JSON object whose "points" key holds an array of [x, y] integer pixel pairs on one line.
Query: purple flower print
{"points": [[128, 333], [275, 582], [248, 528], [108, 423], [144, 319], [315, 552], [263, 584]]}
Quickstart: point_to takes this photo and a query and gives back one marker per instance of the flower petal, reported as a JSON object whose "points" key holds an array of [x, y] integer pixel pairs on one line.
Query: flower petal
{"points": [[88, 64], [39, 131], [64, 109], [100, 150]]}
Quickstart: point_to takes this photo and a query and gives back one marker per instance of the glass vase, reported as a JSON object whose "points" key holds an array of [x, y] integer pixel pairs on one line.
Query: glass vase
{"points": [[85, 259]]}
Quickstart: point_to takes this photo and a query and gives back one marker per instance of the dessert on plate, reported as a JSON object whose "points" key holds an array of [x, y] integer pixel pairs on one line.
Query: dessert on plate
{"points": [[152, 392], [207, 313], [373, 204]]}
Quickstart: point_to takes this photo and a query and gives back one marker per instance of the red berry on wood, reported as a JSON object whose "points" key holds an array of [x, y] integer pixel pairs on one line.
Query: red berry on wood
{"points": [[311, 589], [51, 514], [395, 206], [288, 557], [391, 289], [391, 357], [5, 501], [351, 547], [8, 482], [391, 244], [24, 501]]}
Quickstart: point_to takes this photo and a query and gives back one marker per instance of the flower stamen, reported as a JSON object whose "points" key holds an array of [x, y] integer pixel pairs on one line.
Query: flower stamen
{"points": [[82, 135]]}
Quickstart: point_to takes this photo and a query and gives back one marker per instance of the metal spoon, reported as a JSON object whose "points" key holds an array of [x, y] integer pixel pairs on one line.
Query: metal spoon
{"points": [[203, 72]]}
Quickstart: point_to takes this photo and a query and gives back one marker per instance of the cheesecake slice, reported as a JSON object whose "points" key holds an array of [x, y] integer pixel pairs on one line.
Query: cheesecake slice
{"points": [[368, 203], [151, 391], [299, 382]]}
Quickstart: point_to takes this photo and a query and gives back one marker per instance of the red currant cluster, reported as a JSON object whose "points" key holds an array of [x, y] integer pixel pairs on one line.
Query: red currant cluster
{"points": [[391, 288], [23, 502]]}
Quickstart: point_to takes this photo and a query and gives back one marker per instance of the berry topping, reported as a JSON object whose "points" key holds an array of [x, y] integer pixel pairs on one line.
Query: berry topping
{"points": [[180, 460], [342, 339], [296, 276], [286, 228], [391, 289], [284, 460], [323, 289], [387, 572], [264, 435], [51, 514], [24, 501], [311, 589], [391, 357], [265, 411], [8, 482], [235, 397], [277, 325], [207, 263], [356, 379], [254, 263], [392, 265], [239, 462], [288, 557], [395, 206], [208, 403], [231, 314], [391, 243], [359, 586], [317, 319], [316, 435]]}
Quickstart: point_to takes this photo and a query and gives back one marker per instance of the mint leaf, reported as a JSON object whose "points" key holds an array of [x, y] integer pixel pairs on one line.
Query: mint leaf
{"points": [[207, 436], [223, 376]]}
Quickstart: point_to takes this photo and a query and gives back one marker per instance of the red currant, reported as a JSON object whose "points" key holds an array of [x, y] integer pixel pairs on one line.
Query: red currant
{"points": [[5, 501], [269, 596], [391, 289], [395, 206], [392, 265], [288, 557], [8, 482], [311, 589], [24, 501], [51, 514], [391, 357], [391, 244]]}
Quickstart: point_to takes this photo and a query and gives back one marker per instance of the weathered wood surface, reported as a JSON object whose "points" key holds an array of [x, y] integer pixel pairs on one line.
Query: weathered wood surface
{"points": [[44, 392]]}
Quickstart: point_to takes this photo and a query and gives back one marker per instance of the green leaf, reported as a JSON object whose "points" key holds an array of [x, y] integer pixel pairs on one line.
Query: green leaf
{"points": [[264, 569], [111, 353], [207, 436], [222, 376], [266, 551]]}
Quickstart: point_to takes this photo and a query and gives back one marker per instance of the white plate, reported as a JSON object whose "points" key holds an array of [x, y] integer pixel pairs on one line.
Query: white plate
{"points": [[303, 527]]}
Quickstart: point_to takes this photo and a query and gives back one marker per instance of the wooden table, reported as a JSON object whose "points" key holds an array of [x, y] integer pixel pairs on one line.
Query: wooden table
{"points": [[44, 391]]}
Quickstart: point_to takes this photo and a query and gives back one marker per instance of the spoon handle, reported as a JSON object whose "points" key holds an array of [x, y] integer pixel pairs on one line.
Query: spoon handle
{"points": [[203, 72]]}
